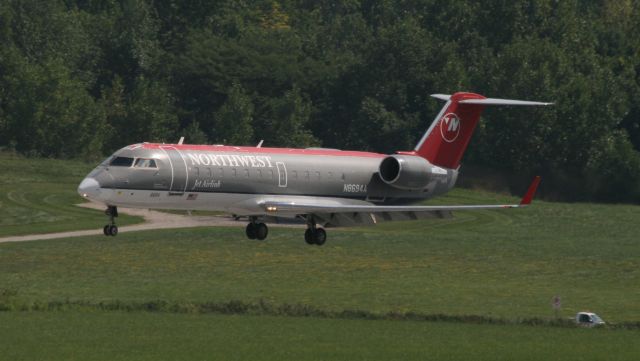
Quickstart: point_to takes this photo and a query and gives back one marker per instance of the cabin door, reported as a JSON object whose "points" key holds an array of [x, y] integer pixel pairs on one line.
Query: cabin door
{"points": [[282, 174], [179, 171]]}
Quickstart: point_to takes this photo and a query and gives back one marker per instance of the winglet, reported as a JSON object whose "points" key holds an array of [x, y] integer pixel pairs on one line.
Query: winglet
{"points": [[528, 197]]}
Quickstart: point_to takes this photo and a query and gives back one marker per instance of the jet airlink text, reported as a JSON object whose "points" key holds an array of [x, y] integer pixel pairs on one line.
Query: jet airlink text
{"points": [[230, 160], [199, 183]]}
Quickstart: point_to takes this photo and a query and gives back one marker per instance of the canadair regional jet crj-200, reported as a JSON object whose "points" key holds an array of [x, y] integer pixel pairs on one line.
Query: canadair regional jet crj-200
{"points": [[323, 187]]}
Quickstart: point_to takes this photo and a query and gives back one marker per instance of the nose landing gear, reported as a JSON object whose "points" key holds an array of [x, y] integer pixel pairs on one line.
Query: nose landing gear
{"points": [[111, 229]]}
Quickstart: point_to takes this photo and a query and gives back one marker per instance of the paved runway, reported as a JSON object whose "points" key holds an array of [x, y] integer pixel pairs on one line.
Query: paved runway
{"points": [[153, 220]]}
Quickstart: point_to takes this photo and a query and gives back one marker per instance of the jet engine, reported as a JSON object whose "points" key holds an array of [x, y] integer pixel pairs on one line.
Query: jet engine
{"points": [[408, 171]]}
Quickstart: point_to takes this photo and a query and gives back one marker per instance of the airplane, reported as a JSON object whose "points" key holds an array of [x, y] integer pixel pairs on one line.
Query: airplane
{"points": [[321, 187]]}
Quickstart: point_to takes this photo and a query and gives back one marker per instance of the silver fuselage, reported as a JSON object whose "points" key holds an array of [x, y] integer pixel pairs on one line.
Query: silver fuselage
{"points": [[236, 179]]}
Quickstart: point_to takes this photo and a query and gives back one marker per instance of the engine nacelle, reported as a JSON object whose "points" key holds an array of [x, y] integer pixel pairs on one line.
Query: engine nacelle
{"points": [[408, 171]]}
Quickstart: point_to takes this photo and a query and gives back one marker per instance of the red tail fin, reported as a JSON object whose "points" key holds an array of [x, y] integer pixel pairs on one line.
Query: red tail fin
{"points": [[447, 138]]}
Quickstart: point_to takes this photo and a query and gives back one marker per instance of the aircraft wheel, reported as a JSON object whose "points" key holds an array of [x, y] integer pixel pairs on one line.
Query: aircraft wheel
{"points": [[113, 230], [308, 236], [105, 230], [251, 231], [261, 231], [320, 236]]}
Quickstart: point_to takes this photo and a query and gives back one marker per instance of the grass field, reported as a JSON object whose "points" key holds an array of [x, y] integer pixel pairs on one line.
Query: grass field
{"points": [[151, 336], [505, 265], [38, 196]]}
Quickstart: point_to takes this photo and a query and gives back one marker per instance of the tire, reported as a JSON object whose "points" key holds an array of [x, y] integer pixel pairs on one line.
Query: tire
{"points": [[113, 230], [105, 230], [308, 236], [251, 231], [261, 231], [320, 236]]}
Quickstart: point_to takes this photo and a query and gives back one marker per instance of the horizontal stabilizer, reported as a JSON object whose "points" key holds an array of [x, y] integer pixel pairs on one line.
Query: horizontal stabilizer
{"points": [[441, 96], [490, 101]]}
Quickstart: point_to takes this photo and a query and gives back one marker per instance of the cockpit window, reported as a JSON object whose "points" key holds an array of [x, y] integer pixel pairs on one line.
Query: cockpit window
{"points": [[106, 161], [145, 163], [121, 162]]}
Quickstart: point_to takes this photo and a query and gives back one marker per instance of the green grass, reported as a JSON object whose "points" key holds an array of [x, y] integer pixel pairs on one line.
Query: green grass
{"points": [[502, 264], [152, 336], [498, 264], [38, 196]]}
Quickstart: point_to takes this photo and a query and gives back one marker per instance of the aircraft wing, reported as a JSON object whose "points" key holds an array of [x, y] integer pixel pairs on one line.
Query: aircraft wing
{"points": [[334, 214]]}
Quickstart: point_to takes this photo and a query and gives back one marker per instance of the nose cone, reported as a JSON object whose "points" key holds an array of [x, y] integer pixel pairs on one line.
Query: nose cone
{"points": [[89, 188]]}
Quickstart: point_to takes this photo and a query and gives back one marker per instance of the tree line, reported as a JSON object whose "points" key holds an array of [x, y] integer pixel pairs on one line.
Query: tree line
{"points": [[82, 78]]}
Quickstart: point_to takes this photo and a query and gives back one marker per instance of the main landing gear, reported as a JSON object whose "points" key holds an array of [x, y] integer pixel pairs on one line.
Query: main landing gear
{"points": [[315, 235], [111, 229], [256, 230]]}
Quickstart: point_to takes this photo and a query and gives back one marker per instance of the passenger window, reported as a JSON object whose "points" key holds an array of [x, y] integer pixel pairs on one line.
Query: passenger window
{"points": [[234, 172], [209, 174], [246, 173], [294, 174], [121, 162], [306, 175], [318, 175], [197, 171]]}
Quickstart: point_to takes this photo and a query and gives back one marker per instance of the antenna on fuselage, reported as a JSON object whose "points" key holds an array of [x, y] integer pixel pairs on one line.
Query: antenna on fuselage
{"points": [[260, 144], [181, 140]]}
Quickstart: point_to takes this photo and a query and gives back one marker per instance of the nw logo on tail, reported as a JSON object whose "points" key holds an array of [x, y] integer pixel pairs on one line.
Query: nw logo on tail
{"points": [[450, 127]]}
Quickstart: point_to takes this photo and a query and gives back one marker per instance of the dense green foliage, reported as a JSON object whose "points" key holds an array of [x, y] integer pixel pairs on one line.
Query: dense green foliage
{"points": [[85, 77]]}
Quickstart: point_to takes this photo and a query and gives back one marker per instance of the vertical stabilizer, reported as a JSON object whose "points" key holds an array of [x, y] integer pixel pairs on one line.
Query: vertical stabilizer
{"points": [[447, 138]]}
